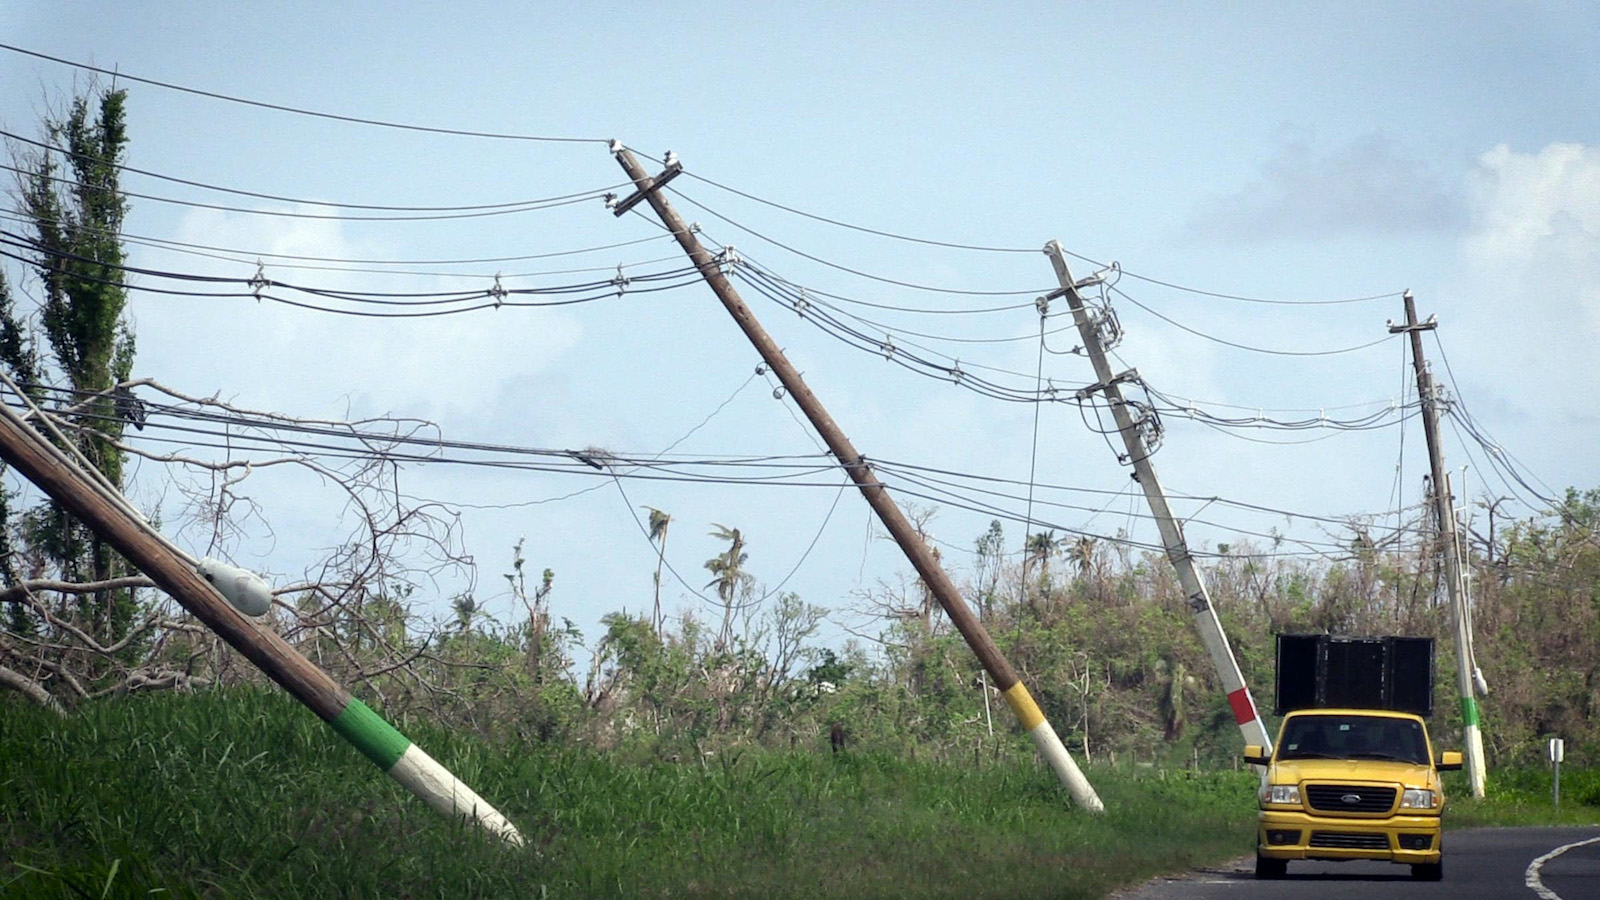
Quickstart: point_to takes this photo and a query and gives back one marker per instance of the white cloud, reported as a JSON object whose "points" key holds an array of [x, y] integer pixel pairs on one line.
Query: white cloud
{"points": [[1369, 187], [300, 361], [1533, 253], [1522, 319], [1536, 208]]}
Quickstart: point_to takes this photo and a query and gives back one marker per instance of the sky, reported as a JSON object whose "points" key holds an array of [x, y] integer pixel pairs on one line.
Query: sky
{"points": [[1289, 152]]}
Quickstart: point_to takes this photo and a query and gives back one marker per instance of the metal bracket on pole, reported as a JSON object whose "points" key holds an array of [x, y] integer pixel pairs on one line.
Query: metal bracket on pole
{"points": [[1130, 376], [673, 169], [1431, 324], [1411, 323]]}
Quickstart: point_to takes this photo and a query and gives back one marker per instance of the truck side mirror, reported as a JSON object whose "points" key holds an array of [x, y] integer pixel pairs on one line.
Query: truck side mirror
{"points": [[1449, 761], [1253, 755]]}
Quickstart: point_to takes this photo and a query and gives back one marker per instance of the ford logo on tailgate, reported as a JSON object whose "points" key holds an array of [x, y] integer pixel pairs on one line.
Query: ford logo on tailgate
{"points": [[1351, 799]]}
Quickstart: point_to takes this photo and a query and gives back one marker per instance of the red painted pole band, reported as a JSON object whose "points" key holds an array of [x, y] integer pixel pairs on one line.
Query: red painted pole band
{"points": [[1244, 709]]}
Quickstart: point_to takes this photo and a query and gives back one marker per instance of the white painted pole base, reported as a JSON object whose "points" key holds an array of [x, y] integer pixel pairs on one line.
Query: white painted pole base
{"points": [[423, 776], [1475, 765], [1066, 769], [1255, 732]]}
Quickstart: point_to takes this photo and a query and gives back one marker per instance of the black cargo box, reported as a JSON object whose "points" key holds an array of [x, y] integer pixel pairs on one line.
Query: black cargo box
{"points": [[1324, 670]]}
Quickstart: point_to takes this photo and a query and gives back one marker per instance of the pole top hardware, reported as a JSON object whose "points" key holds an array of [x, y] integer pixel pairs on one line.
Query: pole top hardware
{"points": [[673, 170], [1431, 324], [1128, 376]]}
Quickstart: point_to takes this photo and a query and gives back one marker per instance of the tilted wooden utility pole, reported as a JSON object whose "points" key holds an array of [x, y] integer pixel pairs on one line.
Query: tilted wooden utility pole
{"points": [[45, 465], [933, 575], [1444, 508], [1205, 617]]}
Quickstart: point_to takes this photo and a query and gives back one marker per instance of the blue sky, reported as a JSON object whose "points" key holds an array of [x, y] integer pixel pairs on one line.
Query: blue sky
{"points": [[1282, 151]]}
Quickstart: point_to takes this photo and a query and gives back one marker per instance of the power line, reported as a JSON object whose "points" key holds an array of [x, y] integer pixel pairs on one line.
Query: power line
{"points": [[260, 288], [902, 354], [1244, 299], [237, 430], [1491, 447], [888, 234], [843, 268], [371, 270], [531, 206], [897, 465], [278, 423], [484, 260], [1367, 422], [1239, 346], [116, 74], [956, 245], [262, 196], [954, 490], [182, 246]]}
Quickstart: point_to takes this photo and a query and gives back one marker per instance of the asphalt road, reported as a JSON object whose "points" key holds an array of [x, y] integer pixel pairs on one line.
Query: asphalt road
{"points": [[1486, 863]]}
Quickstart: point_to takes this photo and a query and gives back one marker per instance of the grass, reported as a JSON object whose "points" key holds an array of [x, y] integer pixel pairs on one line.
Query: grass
{"points": [[245, 794], [1523, 797]]}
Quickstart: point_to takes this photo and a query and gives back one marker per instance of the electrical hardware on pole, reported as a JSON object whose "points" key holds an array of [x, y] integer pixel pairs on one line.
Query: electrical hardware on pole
{"points": [[1444, 507], [1138, 435]]}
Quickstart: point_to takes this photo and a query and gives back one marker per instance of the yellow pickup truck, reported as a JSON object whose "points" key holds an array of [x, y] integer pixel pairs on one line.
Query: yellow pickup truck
{"points": [[1351, 784]]}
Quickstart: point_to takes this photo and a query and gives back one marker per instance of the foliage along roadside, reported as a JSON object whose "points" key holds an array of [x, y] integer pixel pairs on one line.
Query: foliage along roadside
{"points": [[244, 793]]}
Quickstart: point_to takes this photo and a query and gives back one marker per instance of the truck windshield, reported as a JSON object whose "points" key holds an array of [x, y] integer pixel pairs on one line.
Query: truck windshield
{"points": [[1353, 737]]}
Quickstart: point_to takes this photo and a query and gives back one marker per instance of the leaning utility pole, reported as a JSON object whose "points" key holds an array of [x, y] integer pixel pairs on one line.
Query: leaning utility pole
{"points": [[933, 575], [1205, 617], [1444, 509], [95, 505]]}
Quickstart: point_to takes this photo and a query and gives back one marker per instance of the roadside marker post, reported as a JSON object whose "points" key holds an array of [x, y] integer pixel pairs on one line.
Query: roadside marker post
{"points": [[1558, 752]]}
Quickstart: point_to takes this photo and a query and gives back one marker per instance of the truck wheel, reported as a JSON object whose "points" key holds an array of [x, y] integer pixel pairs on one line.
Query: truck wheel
{"points": [[1428, 871], [1267, 867]]}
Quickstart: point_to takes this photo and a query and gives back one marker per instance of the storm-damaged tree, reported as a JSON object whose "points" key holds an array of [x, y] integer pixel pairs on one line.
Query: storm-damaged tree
{"points": [[70, 350], [728, 577]]}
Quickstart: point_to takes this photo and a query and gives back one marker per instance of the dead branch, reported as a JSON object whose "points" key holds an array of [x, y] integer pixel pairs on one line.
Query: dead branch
{"points": [[18, 593], [29, 688]]}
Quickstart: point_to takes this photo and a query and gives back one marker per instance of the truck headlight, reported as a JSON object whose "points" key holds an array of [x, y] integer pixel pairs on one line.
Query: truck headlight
{"points": [[1415, 798], [1282, 793]]}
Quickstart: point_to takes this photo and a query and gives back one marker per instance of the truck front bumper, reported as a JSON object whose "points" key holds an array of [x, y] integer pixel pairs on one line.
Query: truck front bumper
{"points": [[1298, 835]]}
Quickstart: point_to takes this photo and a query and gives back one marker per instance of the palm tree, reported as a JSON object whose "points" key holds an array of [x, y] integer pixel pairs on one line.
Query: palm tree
{"points": [[1081, 554], [658, 536], [465, 607], [1038, 550], [1084, 553], [728, 571]]}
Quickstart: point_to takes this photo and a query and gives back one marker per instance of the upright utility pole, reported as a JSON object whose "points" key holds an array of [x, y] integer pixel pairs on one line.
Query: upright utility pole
{"points": [[45, 465], [1205, 617], [1444, 509], [933, 575]]}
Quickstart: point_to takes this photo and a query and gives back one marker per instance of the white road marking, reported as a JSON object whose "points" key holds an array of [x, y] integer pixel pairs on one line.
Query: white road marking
{"points": [[1532, 879]]}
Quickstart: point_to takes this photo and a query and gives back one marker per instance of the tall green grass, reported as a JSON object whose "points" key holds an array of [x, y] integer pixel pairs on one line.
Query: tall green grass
{"points": [[1524, 797], [244, 793]]}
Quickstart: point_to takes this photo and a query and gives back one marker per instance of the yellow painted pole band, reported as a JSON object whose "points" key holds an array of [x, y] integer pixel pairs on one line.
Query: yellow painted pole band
{"points": [[1022, 704]]}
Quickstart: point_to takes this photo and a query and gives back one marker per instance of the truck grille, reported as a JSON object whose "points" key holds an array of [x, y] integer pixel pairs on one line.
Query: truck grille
{"points": [[1349, 840], [1349, 798]]}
